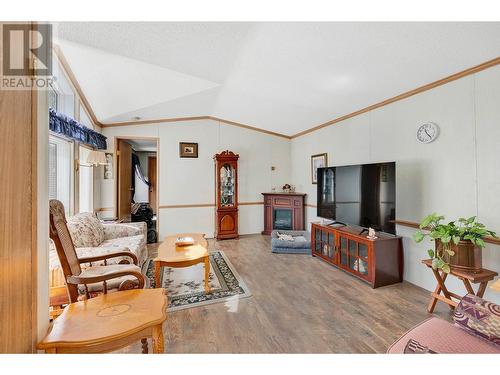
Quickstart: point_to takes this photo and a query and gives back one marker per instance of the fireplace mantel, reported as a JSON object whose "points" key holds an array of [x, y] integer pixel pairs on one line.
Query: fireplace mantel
{"points": [[280, 202]]}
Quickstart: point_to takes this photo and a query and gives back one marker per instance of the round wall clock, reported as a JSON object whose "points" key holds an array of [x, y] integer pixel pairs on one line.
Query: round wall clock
{"points": [[427, 132]]}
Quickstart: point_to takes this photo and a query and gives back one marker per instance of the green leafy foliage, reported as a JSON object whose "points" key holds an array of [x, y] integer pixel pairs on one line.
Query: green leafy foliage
{"points": [[448, 234]]}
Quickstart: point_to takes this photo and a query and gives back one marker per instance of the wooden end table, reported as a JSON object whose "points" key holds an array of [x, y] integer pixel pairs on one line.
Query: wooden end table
{"points": [[109, 322], [482, 278], [171, 255]]}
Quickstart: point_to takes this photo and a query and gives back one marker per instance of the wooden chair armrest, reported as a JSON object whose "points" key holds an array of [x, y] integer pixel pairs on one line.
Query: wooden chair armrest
{"points": [[109, 256], [107, 276]]}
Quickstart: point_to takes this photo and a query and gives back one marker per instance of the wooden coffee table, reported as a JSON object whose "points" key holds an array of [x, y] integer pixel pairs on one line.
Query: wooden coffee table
{"points": [[171, 255], [109, 322]]}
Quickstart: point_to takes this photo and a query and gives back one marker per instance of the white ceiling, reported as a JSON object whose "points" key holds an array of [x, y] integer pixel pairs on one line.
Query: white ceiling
{"points": [[282, 77]]}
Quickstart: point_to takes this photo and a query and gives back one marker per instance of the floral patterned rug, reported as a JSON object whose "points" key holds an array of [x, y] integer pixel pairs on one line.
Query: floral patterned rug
{"points": [[186, 286]]}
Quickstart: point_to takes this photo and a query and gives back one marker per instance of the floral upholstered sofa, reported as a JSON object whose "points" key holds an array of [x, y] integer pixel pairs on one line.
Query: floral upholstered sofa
{"points": [[91, 238]]}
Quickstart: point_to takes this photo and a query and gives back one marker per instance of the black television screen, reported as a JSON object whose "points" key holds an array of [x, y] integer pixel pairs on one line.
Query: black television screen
{"points": [[363, 195]]}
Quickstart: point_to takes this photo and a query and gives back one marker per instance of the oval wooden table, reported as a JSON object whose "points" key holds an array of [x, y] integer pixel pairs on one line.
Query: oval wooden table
{"points": [[171, 255], [109, 322]]}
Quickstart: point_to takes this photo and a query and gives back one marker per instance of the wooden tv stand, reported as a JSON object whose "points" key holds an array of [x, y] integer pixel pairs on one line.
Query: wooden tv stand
{"points": [[377, 262]]}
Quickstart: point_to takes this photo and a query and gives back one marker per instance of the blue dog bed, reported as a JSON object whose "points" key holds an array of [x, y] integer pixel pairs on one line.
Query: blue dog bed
{"points": [[291, 247]]}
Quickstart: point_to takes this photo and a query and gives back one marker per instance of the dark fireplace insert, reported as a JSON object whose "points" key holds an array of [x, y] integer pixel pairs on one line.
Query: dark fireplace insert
{"points": [[282, 218]]}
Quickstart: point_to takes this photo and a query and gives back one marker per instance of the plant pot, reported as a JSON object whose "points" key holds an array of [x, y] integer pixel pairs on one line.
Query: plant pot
{"points": [[468, 257]]}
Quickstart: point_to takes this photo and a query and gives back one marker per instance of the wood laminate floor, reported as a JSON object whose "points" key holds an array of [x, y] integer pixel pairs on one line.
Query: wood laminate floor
{"points": [[299, 304]]}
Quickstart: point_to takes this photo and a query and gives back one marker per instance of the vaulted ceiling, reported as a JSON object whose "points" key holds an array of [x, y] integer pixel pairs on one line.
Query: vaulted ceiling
{"points": [[281, 77]]}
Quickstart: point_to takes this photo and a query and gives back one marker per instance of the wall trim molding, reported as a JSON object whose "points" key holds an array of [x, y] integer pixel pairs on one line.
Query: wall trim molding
{"points": [[195, 205], [250, 203], [102, 209], [407, 94], [412, 224], [199, 205], [234, 123], [193, 118], [153, 121]]}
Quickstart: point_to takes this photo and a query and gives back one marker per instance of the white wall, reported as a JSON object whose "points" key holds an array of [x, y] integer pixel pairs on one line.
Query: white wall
{"points": [[184, 181], [456, 175]]}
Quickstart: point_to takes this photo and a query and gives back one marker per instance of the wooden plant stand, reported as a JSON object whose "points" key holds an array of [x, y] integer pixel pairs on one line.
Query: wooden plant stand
{"points": [[442, 293]]}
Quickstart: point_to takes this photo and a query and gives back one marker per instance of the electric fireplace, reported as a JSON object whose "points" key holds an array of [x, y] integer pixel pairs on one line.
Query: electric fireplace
{"points": [[283, 211]]}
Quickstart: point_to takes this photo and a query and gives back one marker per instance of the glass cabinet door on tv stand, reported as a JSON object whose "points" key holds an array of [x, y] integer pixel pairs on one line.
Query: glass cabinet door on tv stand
{"points": [[376, 261], [226, 195]]}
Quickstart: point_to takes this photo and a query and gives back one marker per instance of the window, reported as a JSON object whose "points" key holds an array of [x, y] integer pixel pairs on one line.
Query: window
{"points": [[86, 182], [64, 100], [52, 97], [74, 189], [60, 171]]}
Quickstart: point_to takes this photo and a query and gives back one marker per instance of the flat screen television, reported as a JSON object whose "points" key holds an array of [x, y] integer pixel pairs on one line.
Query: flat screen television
{"points": [[363, 195]]}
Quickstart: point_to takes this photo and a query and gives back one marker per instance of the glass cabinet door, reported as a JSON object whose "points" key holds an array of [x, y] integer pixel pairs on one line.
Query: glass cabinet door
{"points": [[343, 251], [226, 186]]}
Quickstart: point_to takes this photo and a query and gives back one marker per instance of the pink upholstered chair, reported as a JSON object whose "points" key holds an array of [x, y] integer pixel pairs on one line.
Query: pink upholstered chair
{"points": [[443, 337]]}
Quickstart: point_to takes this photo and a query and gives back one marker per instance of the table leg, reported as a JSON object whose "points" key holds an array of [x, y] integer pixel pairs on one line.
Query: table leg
{"points": [[158, 344], [157, 275], [144, 346], [468, 286], [433, 301], [482, 289], [207, 274]]}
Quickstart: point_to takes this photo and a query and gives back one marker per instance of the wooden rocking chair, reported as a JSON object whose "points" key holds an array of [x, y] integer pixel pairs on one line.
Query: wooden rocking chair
{"points": [[116, 276]]}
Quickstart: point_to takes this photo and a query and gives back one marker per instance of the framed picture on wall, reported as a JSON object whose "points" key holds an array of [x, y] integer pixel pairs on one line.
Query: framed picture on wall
{"points": [[108, 167], [317, 161], [188, 150]]}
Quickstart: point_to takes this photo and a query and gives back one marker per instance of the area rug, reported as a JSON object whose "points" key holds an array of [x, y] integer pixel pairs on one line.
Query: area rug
{"points": [[186, 286]]}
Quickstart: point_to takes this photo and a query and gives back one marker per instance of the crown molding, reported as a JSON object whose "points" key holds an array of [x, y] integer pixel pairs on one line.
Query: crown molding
{"points": [[194, 118], [418, 90]]}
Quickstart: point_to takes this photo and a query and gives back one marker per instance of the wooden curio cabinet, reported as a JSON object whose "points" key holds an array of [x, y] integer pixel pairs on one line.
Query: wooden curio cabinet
{"points": [[226, 195]]}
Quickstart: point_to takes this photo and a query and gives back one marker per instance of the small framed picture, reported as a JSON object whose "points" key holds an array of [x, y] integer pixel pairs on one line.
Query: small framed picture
{"points": [[317, 161], [188, 150]]}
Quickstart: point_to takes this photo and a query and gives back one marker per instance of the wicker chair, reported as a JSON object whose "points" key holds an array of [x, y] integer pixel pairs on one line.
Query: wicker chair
{"points": [[92, 278]]}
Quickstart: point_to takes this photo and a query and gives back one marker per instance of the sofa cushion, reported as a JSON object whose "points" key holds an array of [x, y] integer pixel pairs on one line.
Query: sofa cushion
{"points": [[479, 317], [443, 337], [124, 230], [86, 230], [136, 244]]}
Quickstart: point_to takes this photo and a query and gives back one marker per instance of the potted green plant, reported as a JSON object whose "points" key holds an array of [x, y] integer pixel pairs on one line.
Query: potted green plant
{"points": [[458, 244]]}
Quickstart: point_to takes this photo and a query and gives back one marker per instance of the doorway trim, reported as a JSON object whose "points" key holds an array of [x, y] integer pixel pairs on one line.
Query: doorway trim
{"points": [[115, 161]]}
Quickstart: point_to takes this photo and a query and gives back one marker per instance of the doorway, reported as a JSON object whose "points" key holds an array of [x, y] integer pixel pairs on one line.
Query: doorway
{"points": [[137, 182]]}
